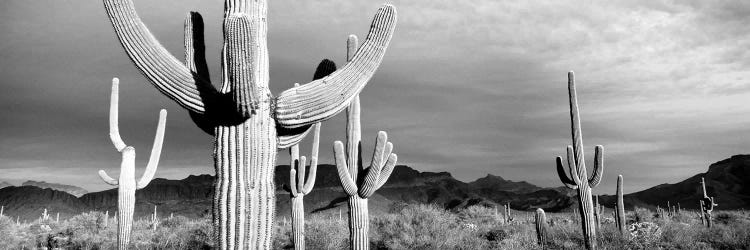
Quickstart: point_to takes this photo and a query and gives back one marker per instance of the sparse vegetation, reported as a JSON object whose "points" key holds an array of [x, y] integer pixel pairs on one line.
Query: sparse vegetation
{"points": [[409, 227]]}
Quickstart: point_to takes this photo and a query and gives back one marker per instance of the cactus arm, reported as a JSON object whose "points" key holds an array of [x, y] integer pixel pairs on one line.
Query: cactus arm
{"points": [[324, 98], [195, 61], [387, 170], [162, 69], [368, 185], [153, 161], [313, 160], [288, 137], [294, 161], [114, 128], [346, 180], [572, 165], [293, 181], [596, 176], [352, 44], [105, 177], [561, 173], [301, 174], [195, 48]]}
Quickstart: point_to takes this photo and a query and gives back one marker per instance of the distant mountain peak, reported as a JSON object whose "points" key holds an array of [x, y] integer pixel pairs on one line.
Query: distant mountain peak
{"points": [[76, 191]]}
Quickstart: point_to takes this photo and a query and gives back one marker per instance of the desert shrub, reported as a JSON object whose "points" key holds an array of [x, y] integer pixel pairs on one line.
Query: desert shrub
{"points": [[423, 227], [640, 214]]}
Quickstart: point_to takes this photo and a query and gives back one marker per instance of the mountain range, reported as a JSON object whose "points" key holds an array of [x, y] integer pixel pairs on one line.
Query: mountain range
{"points": [[192, 196]]}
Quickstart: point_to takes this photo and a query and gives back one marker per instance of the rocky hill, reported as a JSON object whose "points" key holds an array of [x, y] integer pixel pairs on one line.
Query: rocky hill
{"points": [[76, 191]]}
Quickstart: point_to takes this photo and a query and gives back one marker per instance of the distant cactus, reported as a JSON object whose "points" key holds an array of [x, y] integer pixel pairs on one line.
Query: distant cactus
{"points": [[620, 209], [126, 184], [707, 205], [298, 187], [358, 186], [154, 219], [577, 168], [2, 208], [541, 227], [598, 213]]}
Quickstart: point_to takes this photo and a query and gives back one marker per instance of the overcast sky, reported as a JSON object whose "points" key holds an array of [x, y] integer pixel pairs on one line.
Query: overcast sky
{"points": [[469, 87]]}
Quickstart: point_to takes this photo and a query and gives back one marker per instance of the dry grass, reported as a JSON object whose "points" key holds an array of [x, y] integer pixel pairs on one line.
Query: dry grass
{"points": [[407, 227]]}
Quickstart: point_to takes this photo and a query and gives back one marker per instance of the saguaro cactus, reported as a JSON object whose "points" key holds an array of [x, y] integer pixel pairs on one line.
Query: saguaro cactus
{"points": [[620, 209], [541, 227], [707, 205], [360, 183], [371, 179], [246, 120], [126, 184], [577, 167], [154, 219], [298, 187]]}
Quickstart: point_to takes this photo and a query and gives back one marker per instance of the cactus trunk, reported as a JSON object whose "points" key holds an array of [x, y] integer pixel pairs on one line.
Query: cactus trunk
{"points": [[586, 209], [358, 223], [125, 208], [620, 209], [298, 222]]}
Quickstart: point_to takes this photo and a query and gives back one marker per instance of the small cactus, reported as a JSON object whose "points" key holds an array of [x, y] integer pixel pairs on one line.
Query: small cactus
{"points": [[154, 219], [577, 168], [126, 184], [707, 205], [620, 209], [298, 187], [541, 227]]}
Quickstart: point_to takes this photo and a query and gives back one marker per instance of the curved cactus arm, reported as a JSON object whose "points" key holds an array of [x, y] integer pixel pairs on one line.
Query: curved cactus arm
{"points": [[114, 128], [195, 48], [387, 170], [346, 180], [163, 70], [324, 98], [105, 177], [561, 173], [153, 161], [288, 137], [195, 61], [313, 160], [572, 167], [596, 176]]}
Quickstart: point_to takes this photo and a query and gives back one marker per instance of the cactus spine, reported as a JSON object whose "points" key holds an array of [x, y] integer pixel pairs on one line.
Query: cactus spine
{"points": [[577, 168], [620, 209], [541, 227], [126, 184], [248, 123], [707, 205], [298, 187]]}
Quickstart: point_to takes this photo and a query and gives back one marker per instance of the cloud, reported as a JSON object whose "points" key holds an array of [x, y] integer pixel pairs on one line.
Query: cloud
{"points": [[470, 87]]}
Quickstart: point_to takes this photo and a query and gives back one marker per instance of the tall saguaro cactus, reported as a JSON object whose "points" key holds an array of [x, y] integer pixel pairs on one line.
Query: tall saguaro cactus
{"points": [[248, 123], [298, 187], [577, 168], [360, 183], [620, 209], [707, 205], [126, 184]]}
